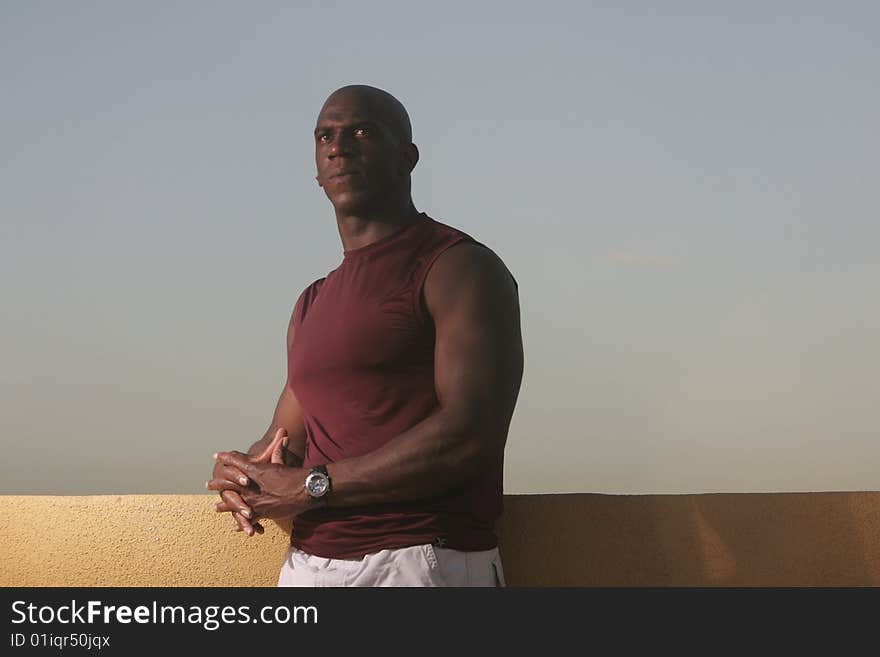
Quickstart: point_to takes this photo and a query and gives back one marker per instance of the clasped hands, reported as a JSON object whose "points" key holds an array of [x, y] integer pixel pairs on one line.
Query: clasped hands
{"points": [[262, 486]]}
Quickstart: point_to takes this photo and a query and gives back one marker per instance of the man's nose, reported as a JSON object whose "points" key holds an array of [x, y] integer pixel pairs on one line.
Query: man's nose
{"points": [[342, 145]]}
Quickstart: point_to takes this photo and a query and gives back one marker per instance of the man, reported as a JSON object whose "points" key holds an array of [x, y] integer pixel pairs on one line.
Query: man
{"points": [[404, 366]]}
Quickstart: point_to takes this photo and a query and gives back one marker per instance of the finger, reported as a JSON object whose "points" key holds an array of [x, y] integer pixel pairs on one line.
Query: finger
{"points": [[236, 459], [225, 507], [258, 528], [232, 475], [267, 454], [231, 501], [278, 452], [223, 484], [229, 472], [243, 522]]}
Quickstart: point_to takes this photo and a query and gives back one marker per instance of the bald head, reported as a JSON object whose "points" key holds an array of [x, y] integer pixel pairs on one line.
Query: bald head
{"points": [[379, 104], [364, 151]]}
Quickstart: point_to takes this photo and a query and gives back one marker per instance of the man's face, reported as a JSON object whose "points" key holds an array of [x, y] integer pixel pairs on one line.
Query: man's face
{"points": [[357, 154]]}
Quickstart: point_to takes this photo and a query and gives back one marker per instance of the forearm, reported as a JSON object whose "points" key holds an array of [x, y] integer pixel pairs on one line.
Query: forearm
{"points": [[288, 416], [438, 454]]}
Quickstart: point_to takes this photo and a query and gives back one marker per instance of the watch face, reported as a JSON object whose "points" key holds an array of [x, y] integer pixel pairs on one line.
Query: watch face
{"points": [[317, 484]]}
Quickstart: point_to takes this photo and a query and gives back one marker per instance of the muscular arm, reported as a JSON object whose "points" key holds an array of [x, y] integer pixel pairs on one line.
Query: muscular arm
{"points": [[478, 364], [478, 369]]}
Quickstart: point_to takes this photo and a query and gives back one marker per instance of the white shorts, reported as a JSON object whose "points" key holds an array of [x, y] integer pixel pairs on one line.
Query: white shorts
{"points": [[419, 565]]}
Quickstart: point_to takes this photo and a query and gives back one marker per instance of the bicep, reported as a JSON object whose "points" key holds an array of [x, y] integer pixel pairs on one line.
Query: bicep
{"points": [[478, 362]]}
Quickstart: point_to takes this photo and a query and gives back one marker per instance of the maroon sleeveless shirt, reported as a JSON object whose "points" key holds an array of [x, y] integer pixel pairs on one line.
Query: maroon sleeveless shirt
{"points": [[362, 368]]}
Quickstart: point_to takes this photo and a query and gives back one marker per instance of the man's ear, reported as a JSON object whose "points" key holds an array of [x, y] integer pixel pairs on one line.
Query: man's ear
{"points": [[409, 158]]}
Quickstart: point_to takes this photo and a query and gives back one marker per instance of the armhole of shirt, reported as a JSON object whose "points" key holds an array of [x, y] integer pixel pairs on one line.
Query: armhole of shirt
{"points": [[298, 314], [306, 299]]}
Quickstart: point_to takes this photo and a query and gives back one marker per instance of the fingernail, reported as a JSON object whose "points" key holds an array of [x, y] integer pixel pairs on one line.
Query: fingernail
{"points": [[242, 481], [246, 513], [207, 484], [215, 456]]}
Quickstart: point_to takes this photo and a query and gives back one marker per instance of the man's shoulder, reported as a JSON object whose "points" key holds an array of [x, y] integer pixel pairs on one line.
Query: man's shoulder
{"points": [[314, 286], [469, 259], [307, 296], [462, 248], [473, 265]]}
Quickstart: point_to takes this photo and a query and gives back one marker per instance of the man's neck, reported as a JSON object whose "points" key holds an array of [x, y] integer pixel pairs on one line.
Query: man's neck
{"points": [[360, 229]]}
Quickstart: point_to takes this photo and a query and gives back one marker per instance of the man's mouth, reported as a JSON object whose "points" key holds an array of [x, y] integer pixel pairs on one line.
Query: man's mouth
{"points": [[344, 175]]}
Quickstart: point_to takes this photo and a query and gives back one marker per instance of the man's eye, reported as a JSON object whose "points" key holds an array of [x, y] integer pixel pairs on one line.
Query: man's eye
{"points": [[324, 138], [361, 132]]}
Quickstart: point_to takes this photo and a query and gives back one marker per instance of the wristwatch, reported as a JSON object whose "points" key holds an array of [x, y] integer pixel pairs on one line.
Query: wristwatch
{"points": [[318, 482]]}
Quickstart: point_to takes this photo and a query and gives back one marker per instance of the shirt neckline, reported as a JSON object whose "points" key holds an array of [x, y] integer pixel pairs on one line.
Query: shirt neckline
{"points": [[379, 243]]}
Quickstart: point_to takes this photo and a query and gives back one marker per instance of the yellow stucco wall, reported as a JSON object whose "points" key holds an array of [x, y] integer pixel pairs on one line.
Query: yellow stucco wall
{"points": [[790, 539], [131, 540]]}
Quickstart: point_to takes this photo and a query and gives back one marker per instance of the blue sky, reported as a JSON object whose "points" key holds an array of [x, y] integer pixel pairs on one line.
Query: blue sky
{"points": [[686, 194]]}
